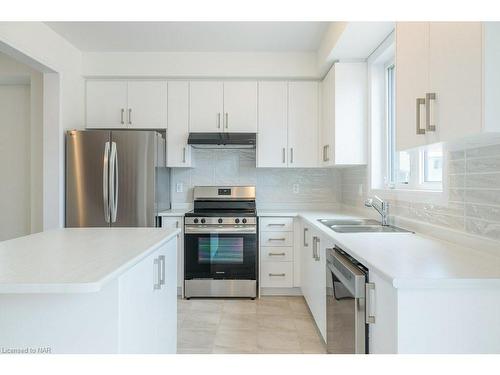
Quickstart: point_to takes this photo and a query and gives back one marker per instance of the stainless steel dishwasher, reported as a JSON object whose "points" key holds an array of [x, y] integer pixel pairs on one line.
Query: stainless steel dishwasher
{"points": [[346, 304]]}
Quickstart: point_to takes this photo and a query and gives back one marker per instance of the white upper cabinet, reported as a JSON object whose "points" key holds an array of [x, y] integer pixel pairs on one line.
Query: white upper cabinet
{"points": [[272, 134], [206, 106], [178, 151], [443, 81], [106, 103], [240, 106], [223, 106], [303, 124], [455, 76], [343, 130], [122, 104], [146, 104]]}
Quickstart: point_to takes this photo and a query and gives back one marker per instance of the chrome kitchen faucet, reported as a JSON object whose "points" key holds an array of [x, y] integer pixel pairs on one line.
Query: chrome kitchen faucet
{"points": [[381, 206]]}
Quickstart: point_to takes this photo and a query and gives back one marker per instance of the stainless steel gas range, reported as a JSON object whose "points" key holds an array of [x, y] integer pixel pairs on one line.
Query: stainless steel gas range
{"points": [[220, 243]]}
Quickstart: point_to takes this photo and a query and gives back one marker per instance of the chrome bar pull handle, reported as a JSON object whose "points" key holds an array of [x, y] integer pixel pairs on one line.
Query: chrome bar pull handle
{"points": [[370, 303], [318, 241], [157, 270], [420, 103], [218, 120], [284, 155], [277, 239], [327, 152], [161, 260], [130, 116], [227, 120], [431, 96], [277, 274], [184, 154], [314, 247], [113, 185], [276, 254], [305, 234], [105, 182], [291, 155], [121, 117], [276, 225]]}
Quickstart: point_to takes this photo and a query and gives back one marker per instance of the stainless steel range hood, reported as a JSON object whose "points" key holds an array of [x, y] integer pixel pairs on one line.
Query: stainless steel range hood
{"points": [[222, 140]]}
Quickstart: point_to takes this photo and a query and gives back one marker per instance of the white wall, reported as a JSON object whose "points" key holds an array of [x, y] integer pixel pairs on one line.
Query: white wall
{"points": [[10, 70], [14, 161], [200, 64], [38, 46]]}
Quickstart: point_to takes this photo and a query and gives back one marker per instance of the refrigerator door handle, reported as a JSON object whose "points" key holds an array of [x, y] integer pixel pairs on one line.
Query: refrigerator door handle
{"points": [[105, 182], [114, 181]]}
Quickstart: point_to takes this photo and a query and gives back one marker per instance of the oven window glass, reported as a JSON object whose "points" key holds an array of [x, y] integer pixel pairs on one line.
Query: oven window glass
{"points": [[217, 250]]}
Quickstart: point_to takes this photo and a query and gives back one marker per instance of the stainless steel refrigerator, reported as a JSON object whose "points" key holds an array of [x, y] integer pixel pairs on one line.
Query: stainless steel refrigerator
{"points": [[115, 178]]}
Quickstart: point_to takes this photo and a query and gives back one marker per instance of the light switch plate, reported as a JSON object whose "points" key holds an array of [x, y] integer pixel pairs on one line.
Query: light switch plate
{"points": [[179, 187]]}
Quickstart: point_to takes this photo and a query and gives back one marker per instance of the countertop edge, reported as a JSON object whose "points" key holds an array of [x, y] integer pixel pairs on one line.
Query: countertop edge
{"points": [[397, 283], [84, 287]]}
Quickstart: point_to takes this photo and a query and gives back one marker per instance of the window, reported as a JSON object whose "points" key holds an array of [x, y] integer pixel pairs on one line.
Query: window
{"points": [[392, 165], [416, 169], [432, 166]]}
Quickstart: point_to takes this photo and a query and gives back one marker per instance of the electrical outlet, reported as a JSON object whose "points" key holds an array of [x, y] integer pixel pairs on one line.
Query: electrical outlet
{"points": [[295, 188], [179, 187]]}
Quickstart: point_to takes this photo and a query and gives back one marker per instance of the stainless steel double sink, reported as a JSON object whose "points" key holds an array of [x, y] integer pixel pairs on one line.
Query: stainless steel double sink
{"points": [[360, 226]]}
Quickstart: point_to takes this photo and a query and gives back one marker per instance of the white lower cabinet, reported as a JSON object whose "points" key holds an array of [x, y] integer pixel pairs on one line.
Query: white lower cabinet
{"points": [[313, 275], [275, 274], [148, 312], [177, 222], [382, 337], [276, 239], [276, 254]]}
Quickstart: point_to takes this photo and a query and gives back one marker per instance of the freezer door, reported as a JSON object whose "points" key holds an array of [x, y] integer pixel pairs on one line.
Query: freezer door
{"points": [[87, 158], [132, 178]]}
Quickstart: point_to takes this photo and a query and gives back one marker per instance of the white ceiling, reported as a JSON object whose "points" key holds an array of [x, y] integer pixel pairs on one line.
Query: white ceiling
{"points": [[192, 36]]}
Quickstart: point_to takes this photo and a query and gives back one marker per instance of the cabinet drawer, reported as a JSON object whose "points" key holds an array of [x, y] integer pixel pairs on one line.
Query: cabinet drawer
{"points": [[276, 239], [172, 222], [276, 274], [276, 224], [276, 254]]}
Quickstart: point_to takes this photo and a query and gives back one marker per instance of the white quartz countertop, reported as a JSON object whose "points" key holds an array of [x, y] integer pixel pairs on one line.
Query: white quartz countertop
{"points": [[174, 212], [409, 260], [74, 260]]}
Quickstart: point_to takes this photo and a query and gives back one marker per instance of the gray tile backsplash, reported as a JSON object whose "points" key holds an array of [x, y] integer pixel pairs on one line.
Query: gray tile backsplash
{"points": [[317, 186], [473, 193]]}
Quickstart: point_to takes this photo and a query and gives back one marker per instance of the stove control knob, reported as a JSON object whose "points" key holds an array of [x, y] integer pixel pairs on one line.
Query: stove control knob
{"points": [[220, 221], [244, 221], [203, 221], [195, 221], [236, 221]]}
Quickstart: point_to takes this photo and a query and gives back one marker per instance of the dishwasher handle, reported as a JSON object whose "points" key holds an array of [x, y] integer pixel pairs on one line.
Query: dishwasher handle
{"points": [[370, 303]]}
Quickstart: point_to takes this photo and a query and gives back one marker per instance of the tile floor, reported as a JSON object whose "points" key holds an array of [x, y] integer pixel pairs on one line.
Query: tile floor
{"points": [[265, 325]]}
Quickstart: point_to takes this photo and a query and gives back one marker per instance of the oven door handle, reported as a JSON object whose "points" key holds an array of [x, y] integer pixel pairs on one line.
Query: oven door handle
{"points": [[251, 229]]}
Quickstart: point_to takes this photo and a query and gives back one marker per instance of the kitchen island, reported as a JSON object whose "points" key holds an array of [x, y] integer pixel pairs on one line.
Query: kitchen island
{"points": [[89, 290]]}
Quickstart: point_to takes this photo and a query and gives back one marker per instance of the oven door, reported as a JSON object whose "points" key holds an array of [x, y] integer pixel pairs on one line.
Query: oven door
{"points": [[220, 256]]}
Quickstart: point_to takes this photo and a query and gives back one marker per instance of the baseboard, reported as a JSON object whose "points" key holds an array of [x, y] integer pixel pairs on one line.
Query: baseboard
{"points": [[280, 291]]}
